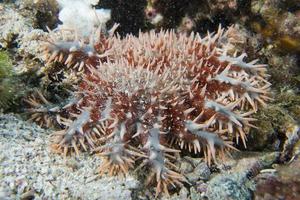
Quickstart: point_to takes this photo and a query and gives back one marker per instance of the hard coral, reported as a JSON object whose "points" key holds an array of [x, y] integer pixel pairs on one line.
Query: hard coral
{"points": [[156, 95]]}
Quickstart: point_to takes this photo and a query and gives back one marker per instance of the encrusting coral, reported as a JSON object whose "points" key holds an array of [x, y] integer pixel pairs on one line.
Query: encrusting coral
{"points": [[142, 100]]}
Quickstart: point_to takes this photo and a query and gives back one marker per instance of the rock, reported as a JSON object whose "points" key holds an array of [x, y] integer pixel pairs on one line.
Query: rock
{"points": [[200, 172], [237, 182], [228, 186], [183, 194], [284, 184], [196, 195]]}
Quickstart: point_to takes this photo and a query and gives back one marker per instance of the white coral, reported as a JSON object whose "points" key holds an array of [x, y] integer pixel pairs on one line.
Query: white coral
{"points": [[79, 15]]}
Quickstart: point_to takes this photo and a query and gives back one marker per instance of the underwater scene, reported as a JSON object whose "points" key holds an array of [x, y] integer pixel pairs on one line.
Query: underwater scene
{"points": [[150, 99]]}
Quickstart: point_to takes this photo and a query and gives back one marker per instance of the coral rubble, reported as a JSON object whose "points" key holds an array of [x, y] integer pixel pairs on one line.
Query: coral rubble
{"points": [[29, 170]]}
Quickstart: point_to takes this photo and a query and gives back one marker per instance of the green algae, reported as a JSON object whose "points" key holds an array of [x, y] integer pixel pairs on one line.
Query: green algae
{"points": [[6, 82], [5, 65], [12, 85]]}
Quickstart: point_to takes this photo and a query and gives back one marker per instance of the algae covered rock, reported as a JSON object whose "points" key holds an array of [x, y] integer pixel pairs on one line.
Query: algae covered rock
{"points": [[13, 86], [283, 184], [280, 23]]}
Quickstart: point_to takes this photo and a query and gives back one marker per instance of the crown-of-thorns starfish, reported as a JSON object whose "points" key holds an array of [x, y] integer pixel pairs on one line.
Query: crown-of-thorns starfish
{"points": [[155, 95]]}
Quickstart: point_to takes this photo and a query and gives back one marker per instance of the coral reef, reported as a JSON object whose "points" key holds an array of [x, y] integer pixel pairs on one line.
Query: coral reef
{"points": [[148, 102], [21, 42]]}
